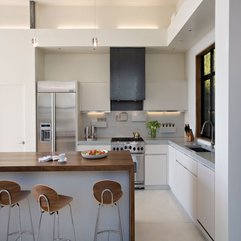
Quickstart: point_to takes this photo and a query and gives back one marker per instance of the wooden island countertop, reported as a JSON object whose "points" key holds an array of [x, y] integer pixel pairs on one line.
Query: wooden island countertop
{"points": [[28, 161], [24, 167]]}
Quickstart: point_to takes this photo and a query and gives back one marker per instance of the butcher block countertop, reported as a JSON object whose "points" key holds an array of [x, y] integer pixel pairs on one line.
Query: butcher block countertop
{"points": [[28, 161]]}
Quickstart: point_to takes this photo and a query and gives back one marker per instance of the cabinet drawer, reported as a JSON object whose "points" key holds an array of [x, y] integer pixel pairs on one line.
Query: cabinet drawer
{"points": [[187, 162], [156, 149]]}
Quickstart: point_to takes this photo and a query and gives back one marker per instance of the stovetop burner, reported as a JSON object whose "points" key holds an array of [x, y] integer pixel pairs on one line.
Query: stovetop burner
{"points": [[126, 139]]}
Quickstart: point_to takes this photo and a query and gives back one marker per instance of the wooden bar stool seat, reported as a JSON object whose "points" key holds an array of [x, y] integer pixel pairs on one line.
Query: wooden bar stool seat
{"points": [[108, 192], [51, 202], [11, 195]]}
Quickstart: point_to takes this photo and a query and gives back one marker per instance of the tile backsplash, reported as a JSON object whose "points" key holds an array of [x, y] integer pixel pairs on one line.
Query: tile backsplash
{"points": [[124, 123]]}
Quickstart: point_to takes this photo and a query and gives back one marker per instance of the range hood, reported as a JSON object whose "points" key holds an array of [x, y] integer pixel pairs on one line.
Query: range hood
{"points": [[127, 78]]}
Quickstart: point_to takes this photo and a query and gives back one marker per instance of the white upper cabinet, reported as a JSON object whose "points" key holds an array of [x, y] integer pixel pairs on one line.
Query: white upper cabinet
{"points": [[166, 86], [94, 96], [166, 96], [91, 70]]}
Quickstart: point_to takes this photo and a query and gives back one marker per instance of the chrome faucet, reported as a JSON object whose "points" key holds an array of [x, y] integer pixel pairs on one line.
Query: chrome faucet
{"points": [[212, 131]]}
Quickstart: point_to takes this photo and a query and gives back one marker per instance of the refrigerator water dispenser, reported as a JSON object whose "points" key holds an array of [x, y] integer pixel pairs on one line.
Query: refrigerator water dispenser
{"points": [[45, 132]]}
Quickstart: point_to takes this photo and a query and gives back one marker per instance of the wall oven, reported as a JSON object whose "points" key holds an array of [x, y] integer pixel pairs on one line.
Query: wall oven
{"points": [[136, 146]]}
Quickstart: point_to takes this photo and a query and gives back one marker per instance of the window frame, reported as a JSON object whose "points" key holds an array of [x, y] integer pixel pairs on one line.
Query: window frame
{"points": [[199, 83]]}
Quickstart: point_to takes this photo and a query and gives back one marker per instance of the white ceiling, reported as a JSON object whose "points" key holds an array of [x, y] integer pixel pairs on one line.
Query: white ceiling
{"points": [[201, 22], [91, 2], [155, 11]]}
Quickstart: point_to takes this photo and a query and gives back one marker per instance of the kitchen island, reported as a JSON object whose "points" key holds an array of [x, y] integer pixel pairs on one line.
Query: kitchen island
{"points": [[75, 178]]}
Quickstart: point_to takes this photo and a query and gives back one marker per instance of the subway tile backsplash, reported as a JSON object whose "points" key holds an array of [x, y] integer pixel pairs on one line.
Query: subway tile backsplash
{"points": [[124, 123]]}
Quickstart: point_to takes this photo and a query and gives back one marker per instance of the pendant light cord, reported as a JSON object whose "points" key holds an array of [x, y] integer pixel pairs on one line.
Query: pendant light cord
{"points": [[94, 39]]}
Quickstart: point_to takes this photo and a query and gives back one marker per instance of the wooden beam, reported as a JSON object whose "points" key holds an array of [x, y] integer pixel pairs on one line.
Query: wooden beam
{"points": [[32, 13]]}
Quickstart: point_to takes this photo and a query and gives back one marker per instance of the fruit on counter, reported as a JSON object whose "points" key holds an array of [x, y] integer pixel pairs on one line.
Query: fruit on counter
{"points": [[95, 152]]}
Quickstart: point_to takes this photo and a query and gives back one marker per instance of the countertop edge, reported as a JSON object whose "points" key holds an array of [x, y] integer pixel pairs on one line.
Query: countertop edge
{"points": [[208, 161]]}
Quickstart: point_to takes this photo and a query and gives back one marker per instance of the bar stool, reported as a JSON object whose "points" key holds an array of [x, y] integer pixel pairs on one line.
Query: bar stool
{"points": [[51, 202], [11, 195], [107, 192]]}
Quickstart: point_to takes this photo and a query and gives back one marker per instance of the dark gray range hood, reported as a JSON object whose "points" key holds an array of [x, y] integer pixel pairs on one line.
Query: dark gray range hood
{"points": [[127, 78]]}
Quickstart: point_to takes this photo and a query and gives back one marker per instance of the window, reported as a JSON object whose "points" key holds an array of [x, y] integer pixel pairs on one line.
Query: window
{"points": [[205, 91]]}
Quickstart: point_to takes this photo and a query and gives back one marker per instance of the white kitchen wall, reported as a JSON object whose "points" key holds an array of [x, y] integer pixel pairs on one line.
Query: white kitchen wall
{"points": [[17, 69], [126, 128], [228, 119], [14, 16], [83, 16], [39, 64], [191, 54]]}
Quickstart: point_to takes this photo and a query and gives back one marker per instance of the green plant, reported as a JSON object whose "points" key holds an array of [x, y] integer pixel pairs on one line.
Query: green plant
{"points": [[153, 126]]}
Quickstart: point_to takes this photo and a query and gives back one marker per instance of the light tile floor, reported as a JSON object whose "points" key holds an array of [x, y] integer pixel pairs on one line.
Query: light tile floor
{"points": [[159, 217]]}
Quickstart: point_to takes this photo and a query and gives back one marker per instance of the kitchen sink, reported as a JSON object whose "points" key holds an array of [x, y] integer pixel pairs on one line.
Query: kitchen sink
{"points": [[198, 148]]}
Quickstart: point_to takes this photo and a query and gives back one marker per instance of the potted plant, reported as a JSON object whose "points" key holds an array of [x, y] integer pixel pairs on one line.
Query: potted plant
{"points": [[153, 126]]}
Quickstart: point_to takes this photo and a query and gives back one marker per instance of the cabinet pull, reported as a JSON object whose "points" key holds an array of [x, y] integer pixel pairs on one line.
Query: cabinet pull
{"points": [[186, 168]]}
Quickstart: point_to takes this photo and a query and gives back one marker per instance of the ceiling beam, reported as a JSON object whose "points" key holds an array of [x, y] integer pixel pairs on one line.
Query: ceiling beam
{"points": [[32, 14]]}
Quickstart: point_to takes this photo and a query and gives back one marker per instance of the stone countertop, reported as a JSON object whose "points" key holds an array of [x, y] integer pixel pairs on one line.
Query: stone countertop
{"points": [[107, 141], [206, 158]]}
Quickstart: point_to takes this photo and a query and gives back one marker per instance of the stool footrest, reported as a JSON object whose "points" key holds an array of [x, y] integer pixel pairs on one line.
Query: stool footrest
{"points": [[62, 239], [109, 231], [17, 232]]}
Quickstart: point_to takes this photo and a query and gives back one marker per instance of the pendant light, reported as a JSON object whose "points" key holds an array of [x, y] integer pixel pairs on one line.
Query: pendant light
{"points": [[95, 39]]}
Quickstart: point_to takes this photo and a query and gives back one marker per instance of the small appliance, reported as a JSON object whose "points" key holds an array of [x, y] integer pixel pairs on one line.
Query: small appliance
{"points": [[90, 133]]}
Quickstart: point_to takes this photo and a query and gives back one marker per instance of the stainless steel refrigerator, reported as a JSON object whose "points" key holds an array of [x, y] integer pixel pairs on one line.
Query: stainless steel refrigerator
{"points": [[57, 112]]}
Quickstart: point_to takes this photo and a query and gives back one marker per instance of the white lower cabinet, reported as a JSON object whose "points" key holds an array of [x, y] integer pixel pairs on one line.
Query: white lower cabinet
{"points": [[186, 183], [171, 167], [205, 199], [193, 184], [156, 165]]}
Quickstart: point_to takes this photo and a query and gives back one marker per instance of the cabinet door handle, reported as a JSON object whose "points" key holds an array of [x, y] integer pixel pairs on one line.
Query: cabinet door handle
{"points": [[22, 142], [186, 168]]}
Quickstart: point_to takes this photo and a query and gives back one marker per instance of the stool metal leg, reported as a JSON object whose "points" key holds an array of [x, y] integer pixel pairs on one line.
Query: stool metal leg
{"points": [[9, 214], [39, 225], [19, 223], [72, 220], [57, 213], [120, 226], [97, 223], [106, 230], [54, 228], [20, 232], [31, 220]]}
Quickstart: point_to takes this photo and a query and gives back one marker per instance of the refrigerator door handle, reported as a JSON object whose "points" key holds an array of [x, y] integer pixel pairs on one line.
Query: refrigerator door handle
{"points": [[53, 118]]}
